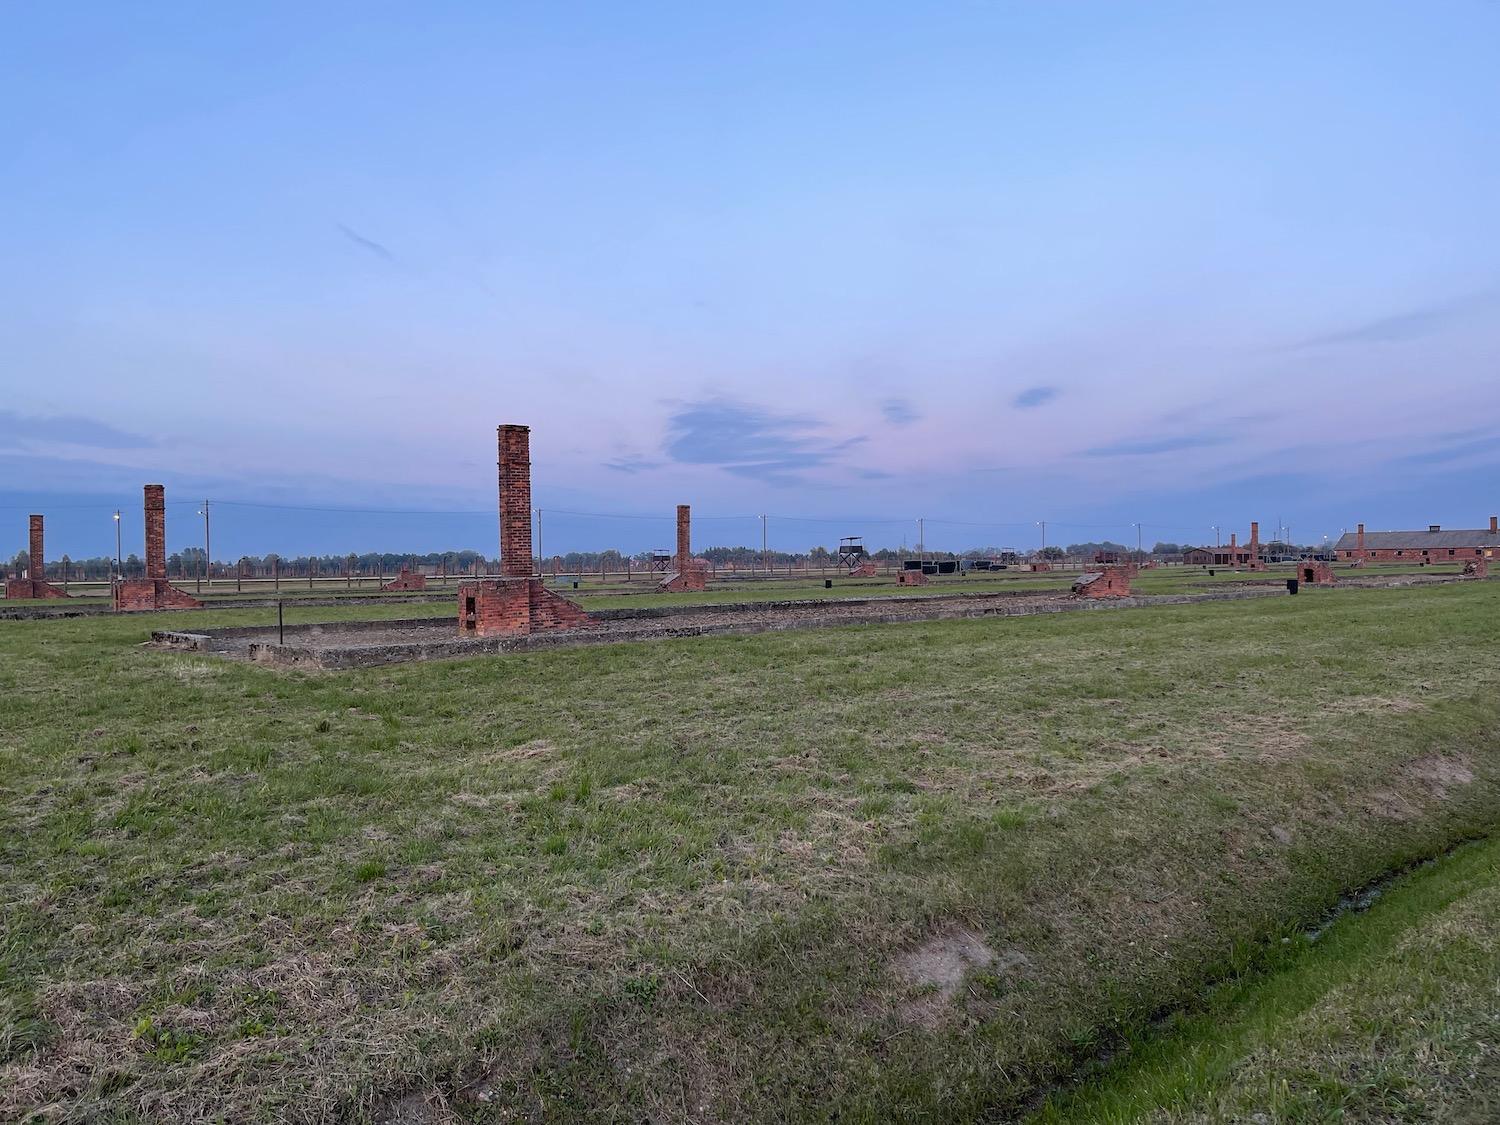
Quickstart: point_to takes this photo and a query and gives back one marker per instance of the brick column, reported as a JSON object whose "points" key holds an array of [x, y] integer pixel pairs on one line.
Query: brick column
{"points": [[1360, 543], [684, 536], [156, 531], [515, 501], [1254, 545], [38, 555]]}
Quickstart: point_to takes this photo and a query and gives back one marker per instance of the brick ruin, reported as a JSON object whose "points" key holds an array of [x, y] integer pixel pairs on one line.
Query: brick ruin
{"points": [[153, 591], [912, 578], [1315, 572], [1108, 582], [1477, 568], [1255, 560], [1360, 558], [407, 580], [515, 604], [691, 574], [864, 570], [35, 584]]}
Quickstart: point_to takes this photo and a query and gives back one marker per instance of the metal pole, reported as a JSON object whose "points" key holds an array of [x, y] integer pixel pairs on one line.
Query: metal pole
{"points": [[540, 555], [119, 565], [208, 554], [280, 626], [765, 551]]}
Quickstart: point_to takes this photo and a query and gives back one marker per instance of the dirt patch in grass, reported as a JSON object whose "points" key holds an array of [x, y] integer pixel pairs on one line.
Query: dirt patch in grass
{"points": [[940, 966], [1441, 774], [419, 1107]]}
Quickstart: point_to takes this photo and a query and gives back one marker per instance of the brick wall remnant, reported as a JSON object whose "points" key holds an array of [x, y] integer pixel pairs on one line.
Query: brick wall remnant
{"points": [[912, 578], [1315, 572], [407, 580], [1108, 582], [864, 570], [1477, 568], [152, 591]]}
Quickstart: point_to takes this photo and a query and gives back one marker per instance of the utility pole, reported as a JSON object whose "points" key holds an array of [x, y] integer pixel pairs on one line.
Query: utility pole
{"points": [[765, 550], [1043, 525], [208, 554], [921, 539], [1139, 554], [539, 554], [119, 565]]}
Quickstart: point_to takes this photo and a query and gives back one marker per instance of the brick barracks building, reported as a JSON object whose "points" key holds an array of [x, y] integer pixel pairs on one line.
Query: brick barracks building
{"points": [[1431, 546]]}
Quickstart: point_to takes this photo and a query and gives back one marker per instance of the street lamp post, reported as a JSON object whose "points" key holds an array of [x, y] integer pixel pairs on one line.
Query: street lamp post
{"points": [[119, 565]]}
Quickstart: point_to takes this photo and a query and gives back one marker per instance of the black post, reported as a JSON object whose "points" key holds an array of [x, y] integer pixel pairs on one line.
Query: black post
{"points": [[280, 626]]}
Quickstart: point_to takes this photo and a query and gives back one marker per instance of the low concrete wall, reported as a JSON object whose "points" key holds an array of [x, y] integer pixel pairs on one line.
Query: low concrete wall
{"points": [[896, 611]]}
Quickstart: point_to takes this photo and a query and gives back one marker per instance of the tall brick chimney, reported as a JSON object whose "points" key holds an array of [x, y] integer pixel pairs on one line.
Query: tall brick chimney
{"points": [[37, 555], [1360, 542], [156, 531], [1232, 543], [1495, 525], [1254, 545], [515, 501], [684, 536]]}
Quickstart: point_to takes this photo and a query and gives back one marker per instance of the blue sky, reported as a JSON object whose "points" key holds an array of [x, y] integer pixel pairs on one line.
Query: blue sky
{"points": [[1182, 264]]}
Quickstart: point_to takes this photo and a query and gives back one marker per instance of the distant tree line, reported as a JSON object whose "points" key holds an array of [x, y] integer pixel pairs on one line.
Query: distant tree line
{"points": [[188, 562]]}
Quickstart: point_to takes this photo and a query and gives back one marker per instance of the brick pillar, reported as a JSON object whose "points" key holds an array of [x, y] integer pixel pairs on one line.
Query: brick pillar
{"points": [[156, 531], [1360, 543], [515, 501], [1495, 525], [1254, 545], [37, 553], [684, 536]]}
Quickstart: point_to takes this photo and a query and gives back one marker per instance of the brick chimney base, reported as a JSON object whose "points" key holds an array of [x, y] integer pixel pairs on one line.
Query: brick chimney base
{"points": [[31, 589], [133, 595], [515, 607]]}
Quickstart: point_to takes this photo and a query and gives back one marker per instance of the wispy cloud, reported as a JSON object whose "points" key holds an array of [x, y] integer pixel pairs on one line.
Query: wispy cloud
{"points": [[632, 464], [1147, 447], [1401, 327], [899, 411], [1035, 396], [751, 442], [19, 432], [1485, 449], [369, 244]]}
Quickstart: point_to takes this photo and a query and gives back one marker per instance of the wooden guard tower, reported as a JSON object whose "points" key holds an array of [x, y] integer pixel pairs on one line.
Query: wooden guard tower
{"points": [[852, 553]]}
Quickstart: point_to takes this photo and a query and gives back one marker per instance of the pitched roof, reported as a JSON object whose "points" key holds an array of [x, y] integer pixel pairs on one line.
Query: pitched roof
{"points": [[1418, 540]]}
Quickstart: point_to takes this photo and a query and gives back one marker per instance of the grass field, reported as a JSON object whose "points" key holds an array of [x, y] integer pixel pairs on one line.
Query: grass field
{"points": [[1389, 1016], [911, 872]]}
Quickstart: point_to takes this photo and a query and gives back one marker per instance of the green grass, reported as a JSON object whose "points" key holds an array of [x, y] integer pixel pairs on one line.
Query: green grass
{"points": [[681, 880], [1388, 1016]]}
